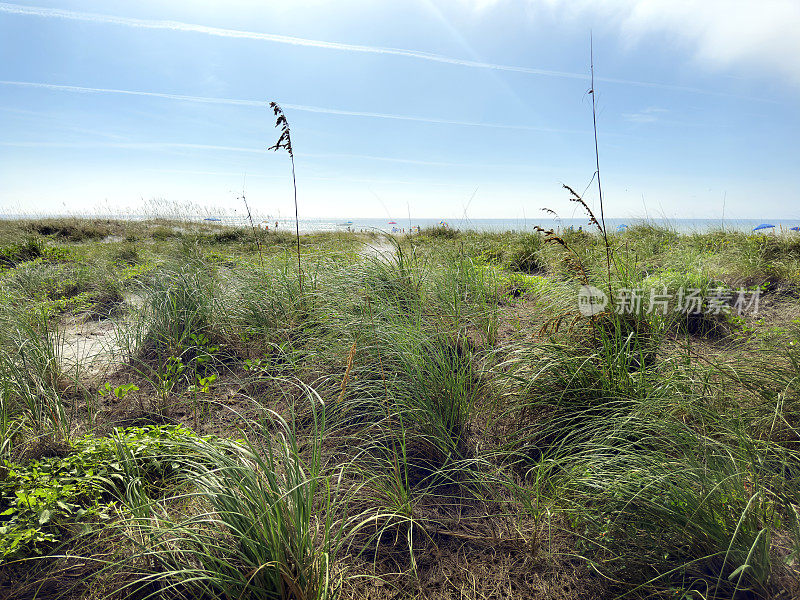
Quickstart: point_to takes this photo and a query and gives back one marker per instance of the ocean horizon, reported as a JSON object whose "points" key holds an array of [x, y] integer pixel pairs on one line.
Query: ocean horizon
{"points": [[404, 224]]}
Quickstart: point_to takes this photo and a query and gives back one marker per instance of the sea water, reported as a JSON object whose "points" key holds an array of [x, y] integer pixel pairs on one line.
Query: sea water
{"points": [[404, 224]]}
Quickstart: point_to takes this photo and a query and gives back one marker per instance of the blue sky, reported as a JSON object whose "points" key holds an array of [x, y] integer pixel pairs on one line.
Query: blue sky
{"points": [[422, 105]]}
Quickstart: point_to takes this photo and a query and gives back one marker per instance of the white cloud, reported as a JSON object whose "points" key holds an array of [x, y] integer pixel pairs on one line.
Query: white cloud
{"points": [[759, 35]]}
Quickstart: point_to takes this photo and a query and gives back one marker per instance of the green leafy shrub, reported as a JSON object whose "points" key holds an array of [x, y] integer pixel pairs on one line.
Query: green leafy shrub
{"points": [[42, 501]]}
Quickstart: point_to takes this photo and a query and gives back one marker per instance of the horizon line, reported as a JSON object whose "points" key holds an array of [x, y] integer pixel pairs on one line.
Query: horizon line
{"points": [[402, 217]]}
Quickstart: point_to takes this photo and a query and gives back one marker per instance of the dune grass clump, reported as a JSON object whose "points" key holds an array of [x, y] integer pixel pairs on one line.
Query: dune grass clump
{"points": [[678, 510], [439, 233], [11, 256], [395, 281], [162, 233], [264, 525], [524, 255], [441, 386], [71, 230], [666, 491], [179, 304], [32, 379], [61, 287], [127, 254]]}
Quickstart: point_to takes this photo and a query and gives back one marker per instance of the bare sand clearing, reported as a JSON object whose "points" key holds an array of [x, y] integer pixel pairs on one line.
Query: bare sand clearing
{"points": [[91, 346]]}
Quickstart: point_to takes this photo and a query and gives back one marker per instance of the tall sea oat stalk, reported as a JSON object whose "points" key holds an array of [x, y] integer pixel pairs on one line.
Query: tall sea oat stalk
{"points": [[597, 163], [573, 258], [285, 143]]}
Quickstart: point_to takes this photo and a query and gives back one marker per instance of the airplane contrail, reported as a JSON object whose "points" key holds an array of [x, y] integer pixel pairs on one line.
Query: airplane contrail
{"points": [[57, 13], [262, 104], [247, 150], [71, 15]]}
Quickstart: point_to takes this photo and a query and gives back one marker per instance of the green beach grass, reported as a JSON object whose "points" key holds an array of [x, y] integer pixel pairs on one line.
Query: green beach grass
{"points": [[183, 416]]}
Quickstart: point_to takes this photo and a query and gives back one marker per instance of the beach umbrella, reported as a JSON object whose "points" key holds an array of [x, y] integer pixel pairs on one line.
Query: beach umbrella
{"points": [[443, 224], [622, 227], [763, 226], [795, 229], [392, 222]]}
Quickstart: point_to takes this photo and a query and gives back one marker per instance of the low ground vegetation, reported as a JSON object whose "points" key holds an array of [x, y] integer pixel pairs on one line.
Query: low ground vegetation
{"points": [[432, 420]]}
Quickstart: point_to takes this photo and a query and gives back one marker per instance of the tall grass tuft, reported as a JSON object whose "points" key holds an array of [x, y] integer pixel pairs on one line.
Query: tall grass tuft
{"points": [[263, 523], [179, 303], [31, 378]]}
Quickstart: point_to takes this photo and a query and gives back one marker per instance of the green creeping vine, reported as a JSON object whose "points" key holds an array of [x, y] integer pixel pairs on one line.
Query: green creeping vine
{"points": [[44, 501]]}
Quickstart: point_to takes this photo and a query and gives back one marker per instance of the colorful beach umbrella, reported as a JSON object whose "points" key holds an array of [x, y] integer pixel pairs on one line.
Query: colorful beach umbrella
{"points": [[392, 222], [764, 226], [622, 227]]}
